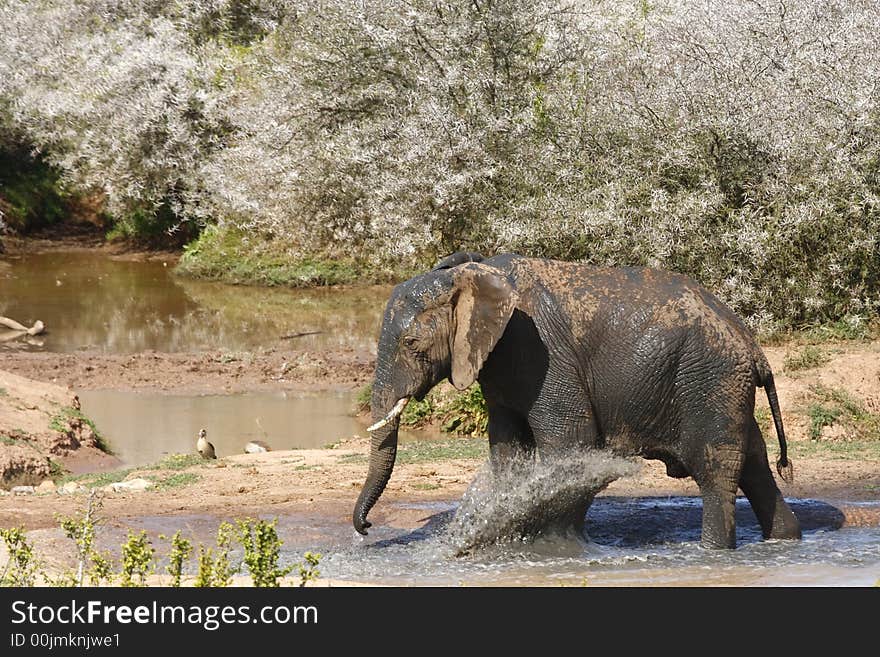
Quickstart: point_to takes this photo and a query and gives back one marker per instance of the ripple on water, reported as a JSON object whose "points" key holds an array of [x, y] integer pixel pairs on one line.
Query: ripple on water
{"points": [[827, 555]]}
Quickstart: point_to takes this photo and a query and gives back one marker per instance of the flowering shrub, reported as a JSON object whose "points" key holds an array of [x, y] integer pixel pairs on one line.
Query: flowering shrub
{"points": [[737, 141]]}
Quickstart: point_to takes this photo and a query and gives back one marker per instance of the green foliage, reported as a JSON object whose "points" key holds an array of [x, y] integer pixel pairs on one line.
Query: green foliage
{"points": [[31, 194], [821, 416], [22, 566], [466, 414], [458, 413], [62, 420], [308, 568], [216, 570], [81, 529], [806, 358], [848, 327], [836, 405], [137, 560], [363, 398], [231, 256], [181, 549], [261, 551]]}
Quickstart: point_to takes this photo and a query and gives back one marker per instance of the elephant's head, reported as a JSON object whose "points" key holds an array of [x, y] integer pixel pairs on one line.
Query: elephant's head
{"points": [[438, 325]]}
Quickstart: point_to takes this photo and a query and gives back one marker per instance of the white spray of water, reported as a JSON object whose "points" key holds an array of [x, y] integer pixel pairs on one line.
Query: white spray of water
{"points": [[532, 499]]}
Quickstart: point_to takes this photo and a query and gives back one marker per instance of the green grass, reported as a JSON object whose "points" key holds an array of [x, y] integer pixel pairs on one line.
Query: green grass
{"points": [[176, 462], [170, 462], [838, 406], [835, 450], [845, 329], [426, 486], [60, 422], [230, 256], [177, 480], [428, 451], [805, 359]]}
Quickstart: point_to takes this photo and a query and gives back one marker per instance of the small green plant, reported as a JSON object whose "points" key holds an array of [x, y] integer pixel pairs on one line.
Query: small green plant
{"points": [[835, 405], [22, 566], [308, 568], [216, 570], [363, 398], [181, 549], [462, 414], [821, 416], [81, 530], [848, 327], [261, 551], [807, 358], [137, 560], [418, 412], [466, 414]]}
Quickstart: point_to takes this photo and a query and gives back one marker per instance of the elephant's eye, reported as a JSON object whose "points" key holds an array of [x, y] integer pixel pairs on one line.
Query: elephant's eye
{"points": [[411, 341]]}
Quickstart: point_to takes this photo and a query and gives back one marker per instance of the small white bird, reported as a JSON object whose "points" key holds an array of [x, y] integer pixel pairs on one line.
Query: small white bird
{"points": [[205, 448], [256, 447]]}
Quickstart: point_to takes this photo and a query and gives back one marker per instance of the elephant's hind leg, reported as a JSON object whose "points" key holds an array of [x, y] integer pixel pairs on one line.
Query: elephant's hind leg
{"points": [[717, 474], [776, 518]]}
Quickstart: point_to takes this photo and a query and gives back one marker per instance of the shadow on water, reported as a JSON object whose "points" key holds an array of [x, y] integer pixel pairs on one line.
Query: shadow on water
{"points": [[627, 522]]}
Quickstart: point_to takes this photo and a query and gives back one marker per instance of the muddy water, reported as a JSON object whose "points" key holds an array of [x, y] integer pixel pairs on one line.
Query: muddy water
{"points": [[142, 428], [92, 301], [634, 542]]}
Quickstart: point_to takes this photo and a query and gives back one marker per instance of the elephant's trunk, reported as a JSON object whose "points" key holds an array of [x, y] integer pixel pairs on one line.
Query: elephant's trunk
{"points": [[383, 450]]}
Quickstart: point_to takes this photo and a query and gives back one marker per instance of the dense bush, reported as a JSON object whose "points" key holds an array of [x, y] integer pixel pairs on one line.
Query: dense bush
{"points": [[738, 141]]}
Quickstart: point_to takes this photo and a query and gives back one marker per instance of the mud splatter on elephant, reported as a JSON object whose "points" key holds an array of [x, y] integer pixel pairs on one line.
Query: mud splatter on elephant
{"points": [[571, 356]]}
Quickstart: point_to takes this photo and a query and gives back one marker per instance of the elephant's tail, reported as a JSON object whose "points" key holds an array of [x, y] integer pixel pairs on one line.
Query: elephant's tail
{"points": [[765, 380]]}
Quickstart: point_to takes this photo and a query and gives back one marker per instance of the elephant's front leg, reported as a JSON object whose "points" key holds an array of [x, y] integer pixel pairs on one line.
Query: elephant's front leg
{"points": [[511, 444]]}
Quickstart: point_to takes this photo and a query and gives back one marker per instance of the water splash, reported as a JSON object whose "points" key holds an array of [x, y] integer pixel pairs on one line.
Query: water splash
{"points": [[528, 500]]}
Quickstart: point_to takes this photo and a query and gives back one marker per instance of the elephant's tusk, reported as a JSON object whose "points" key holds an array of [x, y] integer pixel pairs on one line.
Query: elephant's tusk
{"points": [[392, 415]]}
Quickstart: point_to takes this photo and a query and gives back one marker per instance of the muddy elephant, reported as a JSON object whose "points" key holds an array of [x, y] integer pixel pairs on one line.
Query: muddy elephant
{"points": [[636, 360]]}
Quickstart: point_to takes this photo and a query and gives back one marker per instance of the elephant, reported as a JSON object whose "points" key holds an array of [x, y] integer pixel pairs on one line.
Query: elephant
{"points": [[641, 361]]}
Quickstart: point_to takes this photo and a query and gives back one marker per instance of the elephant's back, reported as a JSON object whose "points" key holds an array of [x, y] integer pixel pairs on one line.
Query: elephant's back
{"points": [[636, 300]]}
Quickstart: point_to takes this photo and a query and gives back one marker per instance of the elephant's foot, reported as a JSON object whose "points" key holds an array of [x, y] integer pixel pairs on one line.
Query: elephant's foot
{"points": [[719, 522], [775, 516], [782, 524]]}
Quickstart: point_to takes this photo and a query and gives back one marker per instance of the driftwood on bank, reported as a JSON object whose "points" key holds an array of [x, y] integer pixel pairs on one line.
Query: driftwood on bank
{"points": [[19, 330]]}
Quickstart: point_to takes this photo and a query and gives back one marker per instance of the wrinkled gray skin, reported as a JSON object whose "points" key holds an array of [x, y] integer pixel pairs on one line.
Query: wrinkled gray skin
{"points": [[640, 361]]}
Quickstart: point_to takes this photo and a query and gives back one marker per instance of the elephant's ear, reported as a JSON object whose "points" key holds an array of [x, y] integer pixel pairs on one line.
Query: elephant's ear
{"points": [[483, 302]]}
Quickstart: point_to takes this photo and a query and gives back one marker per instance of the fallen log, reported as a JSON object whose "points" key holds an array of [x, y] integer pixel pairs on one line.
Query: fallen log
{"points": [[36, 329]]}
